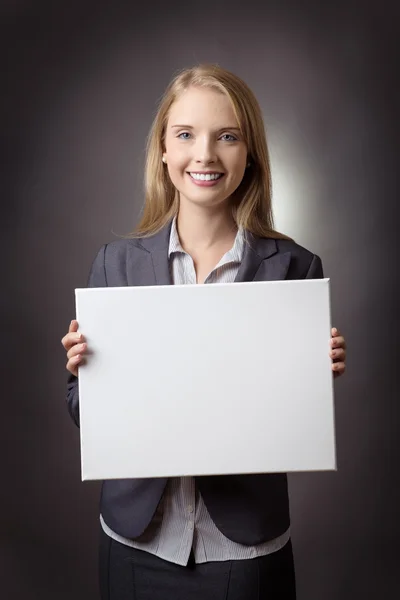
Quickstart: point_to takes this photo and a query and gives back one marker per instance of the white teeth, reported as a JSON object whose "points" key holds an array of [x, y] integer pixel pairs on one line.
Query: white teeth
{"points": [[208, 177]]}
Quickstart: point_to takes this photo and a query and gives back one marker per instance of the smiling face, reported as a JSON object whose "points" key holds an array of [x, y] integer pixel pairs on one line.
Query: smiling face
{"points": [[204, 150]]}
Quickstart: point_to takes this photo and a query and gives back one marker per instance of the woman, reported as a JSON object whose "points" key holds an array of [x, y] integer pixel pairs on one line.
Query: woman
{"points": [[207, 219]]}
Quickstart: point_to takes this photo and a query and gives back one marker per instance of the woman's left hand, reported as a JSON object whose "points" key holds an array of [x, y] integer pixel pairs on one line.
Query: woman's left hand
{"points": [[338, 352]]}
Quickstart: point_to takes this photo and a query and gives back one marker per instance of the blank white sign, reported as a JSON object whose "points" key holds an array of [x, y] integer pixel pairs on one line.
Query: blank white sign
{"points": [[206, 379]]}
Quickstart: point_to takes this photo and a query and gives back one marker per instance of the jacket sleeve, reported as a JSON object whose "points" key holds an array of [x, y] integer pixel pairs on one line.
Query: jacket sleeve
{"points": [[315, 270], [97, 278]]}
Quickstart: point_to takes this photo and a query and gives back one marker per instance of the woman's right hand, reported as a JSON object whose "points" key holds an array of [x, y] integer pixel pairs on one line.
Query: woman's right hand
{"points": [[74, 344]]}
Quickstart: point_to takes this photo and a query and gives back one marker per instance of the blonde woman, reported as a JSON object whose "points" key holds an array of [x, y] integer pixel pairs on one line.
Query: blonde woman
{"points": [[207, 218]]}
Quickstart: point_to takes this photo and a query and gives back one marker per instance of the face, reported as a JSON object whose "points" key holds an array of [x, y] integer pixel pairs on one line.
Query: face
{"points": [[204, 150]]}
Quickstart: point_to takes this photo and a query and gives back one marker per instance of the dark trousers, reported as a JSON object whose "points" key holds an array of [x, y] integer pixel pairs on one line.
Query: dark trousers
{"points": [[130, 574]]}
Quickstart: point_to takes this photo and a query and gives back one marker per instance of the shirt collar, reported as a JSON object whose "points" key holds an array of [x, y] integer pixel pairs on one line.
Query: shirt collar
{"points": [[235, 254], [174, 242]]}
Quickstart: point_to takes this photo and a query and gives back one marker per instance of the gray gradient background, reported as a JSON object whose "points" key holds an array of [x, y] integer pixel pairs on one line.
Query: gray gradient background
{"points": [[82, 81]]}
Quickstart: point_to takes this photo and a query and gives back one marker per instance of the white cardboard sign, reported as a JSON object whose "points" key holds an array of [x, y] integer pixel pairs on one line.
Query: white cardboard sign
{"points": [[206, 379]]}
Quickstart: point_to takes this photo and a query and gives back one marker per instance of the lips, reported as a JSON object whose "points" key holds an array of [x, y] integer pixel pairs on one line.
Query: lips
{"points": [[207, 179]]}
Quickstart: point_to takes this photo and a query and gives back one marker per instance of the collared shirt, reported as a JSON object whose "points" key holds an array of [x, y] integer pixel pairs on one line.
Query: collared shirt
{"points": [[182, 266], [182, 521]]}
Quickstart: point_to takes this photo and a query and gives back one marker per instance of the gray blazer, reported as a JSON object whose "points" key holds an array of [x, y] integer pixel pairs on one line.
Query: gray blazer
{"points": [[248, 509]]}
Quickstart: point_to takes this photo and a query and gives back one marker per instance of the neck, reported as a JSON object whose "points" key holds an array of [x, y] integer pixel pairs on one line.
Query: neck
{"points": [[202, 228]]}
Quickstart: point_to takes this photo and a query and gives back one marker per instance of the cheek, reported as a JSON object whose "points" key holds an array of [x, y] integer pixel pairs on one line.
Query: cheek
{"points": [[176, 172], [238, 171], [177, 159], [236, 163]]}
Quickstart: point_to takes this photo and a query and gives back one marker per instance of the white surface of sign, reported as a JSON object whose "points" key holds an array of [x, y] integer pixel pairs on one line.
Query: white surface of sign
{"points": [[206, 379]]}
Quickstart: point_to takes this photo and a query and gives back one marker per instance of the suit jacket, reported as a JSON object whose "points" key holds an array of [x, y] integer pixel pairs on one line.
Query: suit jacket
{"points": [[248, 509]]}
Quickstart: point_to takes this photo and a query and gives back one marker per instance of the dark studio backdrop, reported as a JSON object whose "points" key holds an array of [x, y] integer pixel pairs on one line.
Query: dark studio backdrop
{"points": [[80, 86]]}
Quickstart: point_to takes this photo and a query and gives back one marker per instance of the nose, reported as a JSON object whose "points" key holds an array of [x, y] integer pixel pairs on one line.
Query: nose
{"points": [[205, 151]]}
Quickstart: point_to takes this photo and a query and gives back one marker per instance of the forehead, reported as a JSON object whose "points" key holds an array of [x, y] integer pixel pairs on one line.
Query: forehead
{"points": [[197, 106]]}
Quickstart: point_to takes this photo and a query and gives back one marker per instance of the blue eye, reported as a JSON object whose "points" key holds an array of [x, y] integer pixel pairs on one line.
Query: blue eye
{"points": [[182, 134], [232, 138]]}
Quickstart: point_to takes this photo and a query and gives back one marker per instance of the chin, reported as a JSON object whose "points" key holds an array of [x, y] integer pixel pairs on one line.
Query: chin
{"points": [[209, 202]]}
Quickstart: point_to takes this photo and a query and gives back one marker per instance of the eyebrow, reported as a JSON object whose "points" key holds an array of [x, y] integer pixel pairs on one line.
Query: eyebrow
{"points": [[191, 127]]}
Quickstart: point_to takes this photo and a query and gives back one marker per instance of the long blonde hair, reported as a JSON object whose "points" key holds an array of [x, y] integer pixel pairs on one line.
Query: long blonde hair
{"points": [[251, 202]]}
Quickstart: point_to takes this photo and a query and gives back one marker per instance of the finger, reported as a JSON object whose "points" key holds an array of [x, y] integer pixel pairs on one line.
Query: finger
{"points": [[73, 326], [338, 354], [335, 332], [338, 342], [76, 349], [73, 364], [338, 368], [72, 338]]}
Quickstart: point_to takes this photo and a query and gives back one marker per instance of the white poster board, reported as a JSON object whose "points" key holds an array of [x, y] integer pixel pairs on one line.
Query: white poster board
{"points": [[206, 379]]}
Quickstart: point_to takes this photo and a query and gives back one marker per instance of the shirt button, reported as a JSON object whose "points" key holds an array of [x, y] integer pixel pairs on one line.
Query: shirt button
{"points": [[190, 508], [190, 525]]}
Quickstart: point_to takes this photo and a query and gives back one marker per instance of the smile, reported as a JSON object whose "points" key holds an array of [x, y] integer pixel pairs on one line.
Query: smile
{"points": [[206, 176], [205, 179]]}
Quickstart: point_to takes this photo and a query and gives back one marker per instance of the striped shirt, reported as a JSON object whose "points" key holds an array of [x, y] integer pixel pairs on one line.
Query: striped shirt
{"points": [[182, 521]]}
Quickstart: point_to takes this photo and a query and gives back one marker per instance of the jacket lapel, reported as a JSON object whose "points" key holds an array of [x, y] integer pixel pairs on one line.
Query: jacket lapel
{"points": [[262, 261], [161, 267], [151, 266]]}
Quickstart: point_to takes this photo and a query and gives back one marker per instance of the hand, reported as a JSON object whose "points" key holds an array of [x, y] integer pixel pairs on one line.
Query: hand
{"points": [[74, 344], [338, 353]]}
